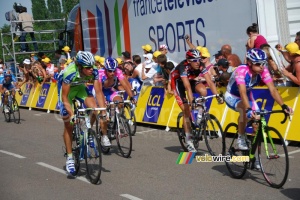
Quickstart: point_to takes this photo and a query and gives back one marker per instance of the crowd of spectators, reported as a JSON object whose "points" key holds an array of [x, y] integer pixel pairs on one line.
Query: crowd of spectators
{"points": [[153, 67]]}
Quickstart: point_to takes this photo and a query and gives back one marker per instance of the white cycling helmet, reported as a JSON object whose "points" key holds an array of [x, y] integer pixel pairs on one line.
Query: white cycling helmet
{"points": [[85, 58]]}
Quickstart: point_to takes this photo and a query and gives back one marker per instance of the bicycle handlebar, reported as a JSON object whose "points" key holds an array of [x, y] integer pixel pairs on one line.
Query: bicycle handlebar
{"points": [[265, 112], [90, 109]]}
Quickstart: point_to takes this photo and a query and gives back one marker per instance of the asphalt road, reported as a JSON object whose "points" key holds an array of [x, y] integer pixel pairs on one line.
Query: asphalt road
{"points": [[32, 167]]}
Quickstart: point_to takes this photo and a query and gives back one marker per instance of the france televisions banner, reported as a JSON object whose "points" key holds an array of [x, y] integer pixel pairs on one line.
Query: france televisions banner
{"points": [[43, 95]]}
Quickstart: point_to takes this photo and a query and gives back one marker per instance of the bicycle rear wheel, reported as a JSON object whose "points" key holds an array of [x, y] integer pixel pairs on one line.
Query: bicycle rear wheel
{"points": [[236, 169], [93, 157], [129, 114], [213, 135], [274, 160], [123, 136], [15, 111]]}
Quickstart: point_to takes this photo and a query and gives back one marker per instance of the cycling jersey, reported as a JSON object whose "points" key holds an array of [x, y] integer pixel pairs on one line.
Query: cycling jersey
{"points": [[243, 76], [79, 91], [118, 75], [7, 84], [184, 70], [109, 91]]}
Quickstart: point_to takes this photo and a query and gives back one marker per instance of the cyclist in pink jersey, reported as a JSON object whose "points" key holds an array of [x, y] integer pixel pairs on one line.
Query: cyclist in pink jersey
{"points": [[109, 76], [239, 95]]}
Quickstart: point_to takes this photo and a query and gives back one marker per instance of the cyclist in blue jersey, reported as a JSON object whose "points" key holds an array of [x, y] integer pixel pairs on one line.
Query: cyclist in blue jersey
{"points": [[7, 82], [81, 71]]}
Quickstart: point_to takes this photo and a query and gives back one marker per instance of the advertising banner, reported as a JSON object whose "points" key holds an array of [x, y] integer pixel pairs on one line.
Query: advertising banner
{"points": [[43, 95]]}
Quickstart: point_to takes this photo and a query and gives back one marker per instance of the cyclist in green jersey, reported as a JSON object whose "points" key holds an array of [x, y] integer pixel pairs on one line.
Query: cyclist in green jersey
{"points": [[79, 72]]}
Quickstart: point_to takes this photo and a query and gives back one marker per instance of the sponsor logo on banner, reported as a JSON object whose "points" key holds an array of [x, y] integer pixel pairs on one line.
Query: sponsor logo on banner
{"points": [[154, 105], [26, 94], [43, 95]]}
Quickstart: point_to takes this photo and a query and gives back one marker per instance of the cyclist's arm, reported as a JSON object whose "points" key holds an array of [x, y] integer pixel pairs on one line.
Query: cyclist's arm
{"points": [[64, 96], [99, 94], [2, 89], [275, 94], [125, 83], [211, 84], [188, 88], [244, 97]]}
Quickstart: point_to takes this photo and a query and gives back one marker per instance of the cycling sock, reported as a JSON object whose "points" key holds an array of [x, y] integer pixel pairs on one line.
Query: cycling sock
{"points": [[70, 155], [187, 137]]}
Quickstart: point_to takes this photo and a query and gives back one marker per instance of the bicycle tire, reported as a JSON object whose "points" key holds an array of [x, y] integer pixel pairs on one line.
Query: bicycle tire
{"points": [[213, 135], [123, 136], [6, 115], [236, 169], [76, 147], [129, 114], [104, 149], [15, 111], [180, 132], [278, 159], [93, 157]]}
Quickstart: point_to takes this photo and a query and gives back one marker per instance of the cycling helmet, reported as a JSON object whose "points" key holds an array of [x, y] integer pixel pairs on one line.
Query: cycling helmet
{"points": [[85, 58], [256, 55], [110, 64], [192, 54]]}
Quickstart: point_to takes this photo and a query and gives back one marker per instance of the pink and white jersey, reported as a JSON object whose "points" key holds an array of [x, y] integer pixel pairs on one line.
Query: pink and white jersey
{"points": [[243, 76], [118, 76]]}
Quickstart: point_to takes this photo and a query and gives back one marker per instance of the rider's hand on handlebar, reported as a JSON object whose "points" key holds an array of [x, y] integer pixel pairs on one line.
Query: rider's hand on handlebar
{"points": [[133, 101], [250, 113], [287, 109], [220, 99]]}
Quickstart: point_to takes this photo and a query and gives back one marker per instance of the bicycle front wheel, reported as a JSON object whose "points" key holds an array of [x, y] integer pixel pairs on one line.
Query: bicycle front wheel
{"points": [[180, 131], [213, 135], [15, 111], [130, 116], [236, 169], [6, 115], [273, 157], [93, 157], [123, 136]]}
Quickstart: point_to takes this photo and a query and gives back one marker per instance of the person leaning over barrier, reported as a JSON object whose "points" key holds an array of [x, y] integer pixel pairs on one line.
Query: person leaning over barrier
{"points": [[81, 70]]}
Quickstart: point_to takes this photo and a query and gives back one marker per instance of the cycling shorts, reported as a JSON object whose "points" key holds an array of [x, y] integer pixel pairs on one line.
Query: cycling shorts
{"points": [[179, 90], [80, 92], [232, 101]]}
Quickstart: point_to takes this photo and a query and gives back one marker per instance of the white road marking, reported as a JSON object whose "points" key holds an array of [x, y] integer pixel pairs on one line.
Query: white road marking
{"points": [[128, 196], [12, 154], [293, 152], [60, 171], [146, 131]]}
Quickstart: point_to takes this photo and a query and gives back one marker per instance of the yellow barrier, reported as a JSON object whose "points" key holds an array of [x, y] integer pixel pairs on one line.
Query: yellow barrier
{"points": [[154, 107]]}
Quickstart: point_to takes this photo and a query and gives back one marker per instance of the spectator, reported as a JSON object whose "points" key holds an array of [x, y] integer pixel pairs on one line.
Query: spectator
{"points": [[147, 49], [285, 54], [233, 59], [293, 71], [126, 56], [205, 59], [49, 69], [255, 39], [164, 50], [99, 61], [27, 27], [146, 66], [67, 51], [33, 57], [61, 59], [169, 67], [223, 65], [217, 56]]}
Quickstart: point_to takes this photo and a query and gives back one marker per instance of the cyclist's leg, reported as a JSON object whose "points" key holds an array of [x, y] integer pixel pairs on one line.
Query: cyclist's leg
{"points": [[180, 96], [235, 103], [200, 89], [67, 134]]}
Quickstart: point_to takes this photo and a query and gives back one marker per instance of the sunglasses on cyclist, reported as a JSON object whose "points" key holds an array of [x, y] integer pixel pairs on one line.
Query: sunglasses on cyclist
{"points": [[88, 67], [259, 63], [110, 71], [195, 60]]}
